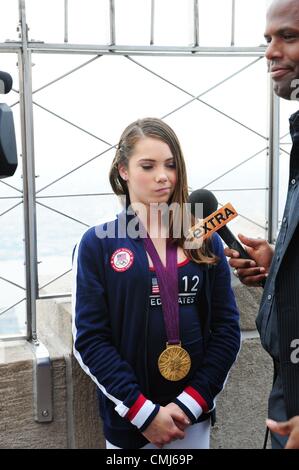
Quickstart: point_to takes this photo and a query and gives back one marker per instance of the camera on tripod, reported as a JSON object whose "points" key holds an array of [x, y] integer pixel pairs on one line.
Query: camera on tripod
{"points": [[8, 147]]}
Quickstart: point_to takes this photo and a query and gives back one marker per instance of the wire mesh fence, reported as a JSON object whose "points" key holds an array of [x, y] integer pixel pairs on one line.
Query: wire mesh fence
{"points": [[78, 84]]}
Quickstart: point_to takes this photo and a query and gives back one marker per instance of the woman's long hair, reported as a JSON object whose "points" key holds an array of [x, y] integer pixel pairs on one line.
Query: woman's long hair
{"points": [[158, 129]]}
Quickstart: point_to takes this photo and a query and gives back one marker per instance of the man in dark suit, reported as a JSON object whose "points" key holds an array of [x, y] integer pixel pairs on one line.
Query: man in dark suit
{"points": [[278, 269]]}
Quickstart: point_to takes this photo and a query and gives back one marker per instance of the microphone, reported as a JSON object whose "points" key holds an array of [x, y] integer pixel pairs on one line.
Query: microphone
{"points": [[215, 220], [5, 83]]}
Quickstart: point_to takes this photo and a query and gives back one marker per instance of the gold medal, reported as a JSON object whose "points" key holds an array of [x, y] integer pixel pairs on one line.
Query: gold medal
{"points": [[174, 362]]}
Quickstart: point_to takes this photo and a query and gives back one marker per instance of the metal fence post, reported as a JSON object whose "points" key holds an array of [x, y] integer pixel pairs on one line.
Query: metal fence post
{"points": [[233, 30], [274, 153], [196, 23], [28, 175], [112, 22], [42, 375]]}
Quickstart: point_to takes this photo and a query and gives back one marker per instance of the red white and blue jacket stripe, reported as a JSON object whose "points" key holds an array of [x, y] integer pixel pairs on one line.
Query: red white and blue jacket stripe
{"points": [[110, 309]]}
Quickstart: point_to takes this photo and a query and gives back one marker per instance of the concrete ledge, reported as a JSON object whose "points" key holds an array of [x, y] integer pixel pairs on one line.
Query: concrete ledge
{"points": [[87, 426], [248, 301], [241, 407], [83, 421], [17, 426]]}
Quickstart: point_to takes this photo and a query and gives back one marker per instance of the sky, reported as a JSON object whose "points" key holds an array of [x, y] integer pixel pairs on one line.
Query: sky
{"points": [[89, 21]]}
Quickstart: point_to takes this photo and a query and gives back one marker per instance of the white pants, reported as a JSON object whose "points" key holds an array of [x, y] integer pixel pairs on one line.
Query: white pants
{"points": [[196, 437]]}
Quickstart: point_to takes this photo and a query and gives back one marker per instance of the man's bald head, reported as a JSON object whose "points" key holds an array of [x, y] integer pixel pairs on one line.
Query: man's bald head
{"points": [[279, 7]]}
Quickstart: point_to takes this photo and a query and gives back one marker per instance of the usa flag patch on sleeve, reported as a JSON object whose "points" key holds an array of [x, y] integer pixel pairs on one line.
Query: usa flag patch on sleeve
{"points": [[122, 259]]}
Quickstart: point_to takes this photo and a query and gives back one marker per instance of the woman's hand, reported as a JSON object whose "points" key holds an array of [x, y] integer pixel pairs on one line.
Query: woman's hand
{"points": [[163, 429], [175, 411]]}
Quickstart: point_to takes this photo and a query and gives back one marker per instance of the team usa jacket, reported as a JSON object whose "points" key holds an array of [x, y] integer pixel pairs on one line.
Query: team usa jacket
{"points": [[112, 283]]}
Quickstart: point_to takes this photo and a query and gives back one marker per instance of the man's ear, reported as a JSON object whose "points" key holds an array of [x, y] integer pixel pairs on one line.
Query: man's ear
{"points": [[123, 172]]}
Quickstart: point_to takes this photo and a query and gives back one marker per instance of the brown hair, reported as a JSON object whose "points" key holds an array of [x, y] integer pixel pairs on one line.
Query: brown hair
{"points": [[158, 129]]}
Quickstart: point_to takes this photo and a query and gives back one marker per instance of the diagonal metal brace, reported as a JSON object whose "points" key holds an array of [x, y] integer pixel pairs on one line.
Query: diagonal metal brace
{"points": [[42, 384]]}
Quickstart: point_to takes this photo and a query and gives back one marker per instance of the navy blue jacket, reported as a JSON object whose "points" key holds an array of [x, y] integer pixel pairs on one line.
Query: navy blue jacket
{"points": [[110, 315]]}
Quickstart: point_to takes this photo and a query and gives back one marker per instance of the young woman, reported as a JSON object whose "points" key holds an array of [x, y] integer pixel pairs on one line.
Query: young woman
{"points": [[155, 321]]}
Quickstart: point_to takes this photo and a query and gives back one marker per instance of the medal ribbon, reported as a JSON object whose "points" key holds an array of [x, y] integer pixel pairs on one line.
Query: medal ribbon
{"points": [[168, 285]]}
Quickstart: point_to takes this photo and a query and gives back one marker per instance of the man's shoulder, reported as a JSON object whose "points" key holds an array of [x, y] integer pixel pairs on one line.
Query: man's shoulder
{"points": [[294, 118]]}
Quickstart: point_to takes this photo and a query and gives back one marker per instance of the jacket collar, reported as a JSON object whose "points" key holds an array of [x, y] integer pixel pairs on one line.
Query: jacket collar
{"points": [[294, 127]]}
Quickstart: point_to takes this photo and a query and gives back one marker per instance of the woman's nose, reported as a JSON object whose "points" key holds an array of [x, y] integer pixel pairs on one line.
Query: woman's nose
{"points": [[160, 177]]}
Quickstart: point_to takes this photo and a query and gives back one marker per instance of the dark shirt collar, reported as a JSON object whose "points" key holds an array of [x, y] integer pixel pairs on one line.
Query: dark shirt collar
{"points": [[294, 127]]}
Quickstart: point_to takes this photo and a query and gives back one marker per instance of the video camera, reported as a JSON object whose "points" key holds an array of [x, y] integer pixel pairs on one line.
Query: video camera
{"points": [[8, 147]]}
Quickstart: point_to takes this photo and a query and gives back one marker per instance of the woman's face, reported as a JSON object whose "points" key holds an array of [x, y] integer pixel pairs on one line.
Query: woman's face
{"points": [[151, 174]]}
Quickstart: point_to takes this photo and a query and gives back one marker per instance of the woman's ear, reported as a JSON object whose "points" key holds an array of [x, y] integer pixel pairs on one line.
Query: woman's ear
{"points": [[123, 172]]}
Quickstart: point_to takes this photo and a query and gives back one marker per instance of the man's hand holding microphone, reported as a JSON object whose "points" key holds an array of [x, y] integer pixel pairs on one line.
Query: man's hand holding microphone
{"points": [[251, 261], [253, 271]]}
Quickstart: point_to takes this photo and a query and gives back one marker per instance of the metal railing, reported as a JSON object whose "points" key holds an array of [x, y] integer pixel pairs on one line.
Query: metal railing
{"points": [[31, 198]]}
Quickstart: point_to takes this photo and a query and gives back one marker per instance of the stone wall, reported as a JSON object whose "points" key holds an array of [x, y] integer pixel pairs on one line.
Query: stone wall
{"points": [[241, 407]]}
